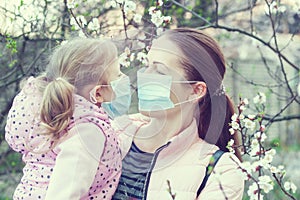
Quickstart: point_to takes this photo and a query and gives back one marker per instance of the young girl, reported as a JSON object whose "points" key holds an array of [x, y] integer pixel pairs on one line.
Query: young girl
{"points": [[59, 126], [176, 149]]}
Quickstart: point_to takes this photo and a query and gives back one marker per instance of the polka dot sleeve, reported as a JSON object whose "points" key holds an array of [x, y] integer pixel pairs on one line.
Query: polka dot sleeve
{"points": [[76, 163]]}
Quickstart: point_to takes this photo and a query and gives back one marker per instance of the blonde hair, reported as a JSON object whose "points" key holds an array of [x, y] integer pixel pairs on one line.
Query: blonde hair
{"points": [[78, 63]]}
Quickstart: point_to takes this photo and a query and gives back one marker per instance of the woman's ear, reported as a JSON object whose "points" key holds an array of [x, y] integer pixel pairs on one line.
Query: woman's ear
{"points": [[199, 89]]}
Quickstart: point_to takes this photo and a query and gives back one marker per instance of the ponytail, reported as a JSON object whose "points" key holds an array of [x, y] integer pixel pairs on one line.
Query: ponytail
{"points": [[214, 122], [57, 108]]}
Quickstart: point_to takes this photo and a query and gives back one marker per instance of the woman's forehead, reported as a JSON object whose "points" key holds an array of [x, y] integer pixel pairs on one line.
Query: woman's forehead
{"points": [[165, 51], [164, 43]]}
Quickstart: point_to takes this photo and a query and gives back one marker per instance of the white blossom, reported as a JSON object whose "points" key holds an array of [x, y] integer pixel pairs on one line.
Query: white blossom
{"points": [[245, 101], [281, 9], [249, 124], [260, 98], [255, 149], [262, 128], [63, 42], [261, 136], [81, 20], [254, 143], [257, 135], [167, 19], [230, 146], [235, 125], [273, 8], [246, 169], [267, 159], [241, 117], [141, 44], [273, 169], [251, 116], [160, 3], [141, 36], [281, 167], [111, 3], [256, 165], [159, 31], [234, 117], [288, 185], [281, 170], [120, 1], [271, 152], [242, 107], [129, 6], [253, 192], [127, 51], [265, 183], [137, 18], [142, 57], [81, 34], [132, 56], [94, 25], [157, 18], [71, 4], [123, 60], [28, 12], [152, 10], [231, 131]]}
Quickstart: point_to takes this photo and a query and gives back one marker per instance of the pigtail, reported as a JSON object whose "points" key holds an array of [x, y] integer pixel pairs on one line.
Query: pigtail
{"points": [[57, 107]]}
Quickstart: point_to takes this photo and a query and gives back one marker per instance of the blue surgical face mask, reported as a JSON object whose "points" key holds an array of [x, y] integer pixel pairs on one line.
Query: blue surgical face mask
{"points": [[121, 103], [154, 91]]}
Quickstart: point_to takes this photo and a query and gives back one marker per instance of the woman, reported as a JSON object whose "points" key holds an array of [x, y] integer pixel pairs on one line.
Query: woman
{"points": [[186, 120]]}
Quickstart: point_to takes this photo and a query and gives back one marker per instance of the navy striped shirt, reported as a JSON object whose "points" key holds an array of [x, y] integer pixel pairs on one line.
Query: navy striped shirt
{"points": [[135, 166]]}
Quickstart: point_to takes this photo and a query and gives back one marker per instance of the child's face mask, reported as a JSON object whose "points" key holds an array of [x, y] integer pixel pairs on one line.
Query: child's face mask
{"points": [[154, 91], [121, 103]]}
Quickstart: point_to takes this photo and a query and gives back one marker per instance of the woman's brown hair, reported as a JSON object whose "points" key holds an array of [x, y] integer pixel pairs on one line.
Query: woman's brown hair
{"points": [[203, 60]]}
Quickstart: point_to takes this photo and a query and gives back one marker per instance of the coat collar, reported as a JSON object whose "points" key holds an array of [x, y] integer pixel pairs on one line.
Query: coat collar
{"points": [[175, 148]]}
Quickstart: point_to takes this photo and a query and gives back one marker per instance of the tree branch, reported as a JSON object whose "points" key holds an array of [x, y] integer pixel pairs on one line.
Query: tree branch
{"points": [[281, 111]]}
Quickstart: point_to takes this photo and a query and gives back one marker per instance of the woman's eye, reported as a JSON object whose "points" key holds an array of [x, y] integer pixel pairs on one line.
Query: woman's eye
{"points": [[159, 72]]}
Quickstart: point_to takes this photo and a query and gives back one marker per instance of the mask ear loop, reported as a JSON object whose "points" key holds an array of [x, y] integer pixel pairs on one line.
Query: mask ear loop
{"points": [[189, 100], [92, 97]]}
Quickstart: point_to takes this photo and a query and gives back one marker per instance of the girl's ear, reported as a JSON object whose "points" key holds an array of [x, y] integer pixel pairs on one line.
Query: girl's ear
{"points": [[199, 89], [95, 95]]}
